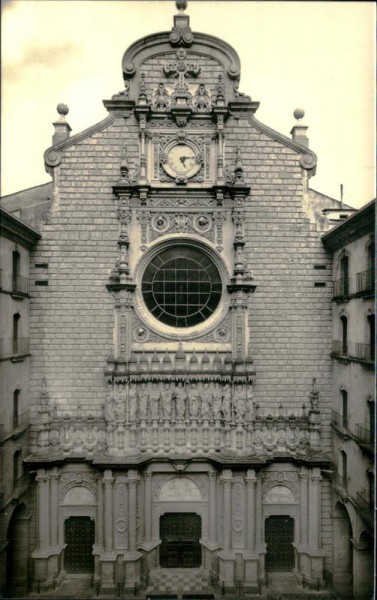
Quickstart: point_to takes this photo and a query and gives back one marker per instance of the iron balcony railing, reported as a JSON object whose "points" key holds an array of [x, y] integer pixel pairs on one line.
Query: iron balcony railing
{"points": [[365, 505], [19, 423], [340, 348], [339, 480], [20, 284], [339, 420], [341, 287], [364, 435], [365, 281], [364, 351], [14, 347]]}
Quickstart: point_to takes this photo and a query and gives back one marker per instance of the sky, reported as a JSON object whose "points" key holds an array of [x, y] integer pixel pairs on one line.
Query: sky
{"points": [[319, 56]]}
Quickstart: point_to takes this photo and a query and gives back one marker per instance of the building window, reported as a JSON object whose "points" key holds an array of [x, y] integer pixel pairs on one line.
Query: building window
{"points": [[344, 408], [16, 320], [16, 408], [343, 457], [370, 258], [15, 270], [344, 322], [17, 465], [372, 335], [344, 275], [181, 286]]}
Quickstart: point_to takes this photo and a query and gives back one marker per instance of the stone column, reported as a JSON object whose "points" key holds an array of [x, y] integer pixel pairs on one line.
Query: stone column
{"points": [[108, 481], [132, 488], [147, 506], [54, 477], [259, 511], [304, 506], [227, 508], [212, 506], [100, 509], [315, 508], [43, 509], [250, 510]]}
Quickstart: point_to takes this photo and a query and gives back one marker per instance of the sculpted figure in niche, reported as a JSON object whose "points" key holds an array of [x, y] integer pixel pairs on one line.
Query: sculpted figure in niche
{"points": [[143, 402], [132, 402], [194, 401], [216, 402], [226, 405], [161, 99], [206, 402], [166, 402], [109, 408], [202, 99], [239, 403], [155, 402], [180, 402], [119, 408]]}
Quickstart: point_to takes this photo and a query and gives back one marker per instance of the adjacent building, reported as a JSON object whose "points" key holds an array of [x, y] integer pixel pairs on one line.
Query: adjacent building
{"points": [[181, 382], [352, 245]]}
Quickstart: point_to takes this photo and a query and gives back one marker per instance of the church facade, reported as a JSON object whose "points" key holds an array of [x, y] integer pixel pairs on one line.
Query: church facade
{"points": [[180, 339]]}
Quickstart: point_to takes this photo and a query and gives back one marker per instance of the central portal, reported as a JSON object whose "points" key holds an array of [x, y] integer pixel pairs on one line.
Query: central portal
{"points": [[180, 534]]}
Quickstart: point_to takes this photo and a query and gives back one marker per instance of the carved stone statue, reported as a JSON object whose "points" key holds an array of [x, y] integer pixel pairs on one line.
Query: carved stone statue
{"points": [[143, 402], [180, 402], [132, 402], [202, 99], [226, 405], [206, 402], [154, 402], [216, 403], [166, 401], [119, 408], [161, 98], [239, 403], [109, 408], [194, 401]]}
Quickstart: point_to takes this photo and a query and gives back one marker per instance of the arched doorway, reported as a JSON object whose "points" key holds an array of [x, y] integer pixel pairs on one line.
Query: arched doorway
{"points": [[18, 553], [343, 551], [279, 536], [79, 538], [180, 534]]}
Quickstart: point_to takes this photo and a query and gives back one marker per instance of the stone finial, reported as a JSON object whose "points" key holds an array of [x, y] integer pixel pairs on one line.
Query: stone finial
{"points": [[298, 131], [62, 129], [181, 5]]}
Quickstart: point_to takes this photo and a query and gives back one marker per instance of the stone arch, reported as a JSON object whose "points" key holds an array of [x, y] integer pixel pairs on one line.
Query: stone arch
{"points": [[342, 550], [279, 494], [291, 487], [180, 489], [17, 568], [65, 489], [79, 495]]}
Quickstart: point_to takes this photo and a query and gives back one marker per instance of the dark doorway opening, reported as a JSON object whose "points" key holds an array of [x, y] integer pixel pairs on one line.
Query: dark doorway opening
{"points": [[79, 537], [18, 553], [180, 534], [279, 532]]}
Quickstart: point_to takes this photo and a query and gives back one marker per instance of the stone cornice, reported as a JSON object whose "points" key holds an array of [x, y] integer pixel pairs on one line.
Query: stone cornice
{"points": [[53, 154], [308, 159], [356, 226], [16, 230]]}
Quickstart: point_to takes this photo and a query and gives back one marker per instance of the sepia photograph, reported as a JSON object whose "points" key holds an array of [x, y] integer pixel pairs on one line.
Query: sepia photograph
{"points": [[187, 300]]}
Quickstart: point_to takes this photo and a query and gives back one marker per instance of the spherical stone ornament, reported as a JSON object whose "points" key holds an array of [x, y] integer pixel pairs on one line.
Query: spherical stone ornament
{"points": [[308, 161], [62, 109], [299, 113]]}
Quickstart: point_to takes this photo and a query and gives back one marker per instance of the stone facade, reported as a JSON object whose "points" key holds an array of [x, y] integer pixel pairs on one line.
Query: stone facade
{"points": [[161, 403]]}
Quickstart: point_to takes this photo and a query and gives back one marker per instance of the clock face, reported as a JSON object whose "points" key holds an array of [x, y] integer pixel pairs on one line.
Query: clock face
{"points": [[182, 161]]}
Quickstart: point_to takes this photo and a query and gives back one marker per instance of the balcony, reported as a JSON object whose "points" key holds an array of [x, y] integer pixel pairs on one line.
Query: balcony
{"points": [[20, 485], [14, 349], [19, 425], [365, 282], [341, 289], [365, 507], [364, 352], [365, 439], [20, 286], [339, 421], [340, 348]]}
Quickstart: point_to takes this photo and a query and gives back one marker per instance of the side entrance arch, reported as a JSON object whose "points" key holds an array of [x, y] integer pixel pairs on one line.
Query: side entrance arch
{"points": [[18, 553], [79, 538], [180, 535], [279, 537]]}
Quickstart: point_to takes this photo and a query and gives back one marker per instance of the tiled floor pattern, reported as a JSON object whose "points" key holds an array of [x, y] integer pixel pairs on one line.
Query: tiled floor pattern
{"points": [[179, 581]]}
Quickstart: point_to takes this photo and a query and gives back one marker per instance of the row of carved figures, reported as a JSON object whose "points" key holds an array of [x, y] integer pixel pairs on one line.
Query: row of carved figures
{"points": [[132, 402]]}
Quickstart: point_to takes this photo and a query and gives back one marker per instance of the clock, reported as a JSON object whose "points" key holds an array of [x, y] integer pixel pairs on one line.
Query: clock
{"points": [[182, 161]]}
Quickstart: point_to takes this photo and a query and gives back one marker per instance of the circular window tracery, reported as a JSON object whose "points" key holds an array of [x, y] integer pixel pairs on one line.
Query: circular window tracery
{"points": [[181, 286]]}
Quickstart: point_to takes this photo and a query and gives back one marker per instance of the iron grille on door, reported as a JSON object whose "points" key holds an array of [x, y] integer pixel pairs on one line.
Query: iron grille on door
{"points": [[79, 537], [279, 539], [180, 534]]}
